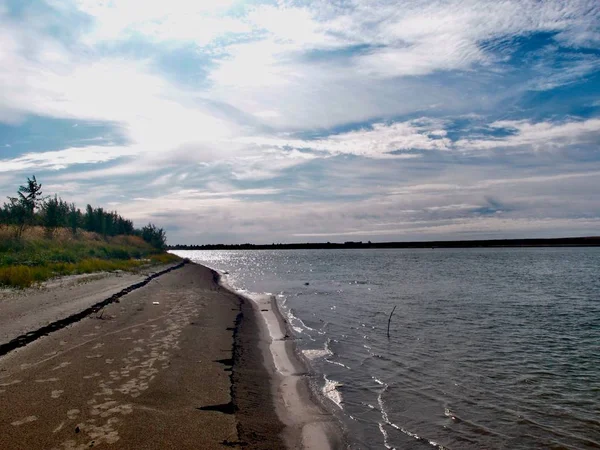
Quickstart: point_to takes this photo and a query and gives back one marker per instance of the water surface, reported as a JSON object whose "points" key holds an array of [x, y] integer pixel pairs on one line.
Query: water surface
{"points": [[488, 348]]}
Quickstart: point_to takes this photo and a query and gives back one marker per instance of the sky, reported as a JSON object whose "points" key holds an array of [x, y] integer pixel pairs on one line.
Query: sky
{"points": [[309, 121]]}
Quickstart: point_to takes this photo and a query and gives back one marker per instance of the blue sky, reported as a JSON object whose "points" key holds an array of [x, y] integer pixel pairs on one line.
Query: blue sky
{"points": [[287, 121]]}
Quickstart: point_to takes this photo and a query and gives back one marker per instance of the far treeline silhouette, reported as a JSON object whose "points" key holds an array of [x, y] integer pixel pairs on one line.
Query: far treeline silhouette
{"points": [[592, 241], [31, 208]]}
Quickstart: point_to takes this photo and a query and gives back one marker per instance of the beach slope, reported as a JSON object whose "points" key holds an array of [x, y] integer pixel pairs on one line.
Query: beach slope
{"points": [[153, 370]]}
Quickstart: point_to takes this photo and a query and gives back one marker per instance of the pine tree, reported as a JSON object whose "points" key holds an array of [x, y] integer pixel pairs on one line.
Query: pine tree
{"points": [[22, 208]]}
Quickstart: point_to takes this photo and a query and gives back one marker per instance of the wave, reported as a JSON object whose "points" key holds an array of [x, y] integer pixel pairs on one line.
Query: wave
{"points": [[388, 422], [293, 318], [337, 363]]}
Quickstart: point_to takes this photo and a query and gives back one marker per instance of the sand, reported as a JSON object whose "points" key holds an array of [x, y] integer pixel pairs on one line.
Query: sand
{"points": [[59, 298], [193, 371]]}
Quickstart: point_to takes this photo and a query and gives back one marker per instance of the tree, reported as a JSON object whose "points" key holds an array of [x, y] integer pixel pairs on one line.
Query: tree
{"points": [[154, 236], [89, 218], [4, 215], [29, 208], [55, 214], [22, 208], [74, 218]]}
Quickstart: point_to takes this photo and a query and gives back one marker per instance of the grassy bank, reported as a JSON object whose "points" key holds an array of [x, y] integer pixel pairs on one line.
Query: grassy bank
{"points": [[36, 257]]}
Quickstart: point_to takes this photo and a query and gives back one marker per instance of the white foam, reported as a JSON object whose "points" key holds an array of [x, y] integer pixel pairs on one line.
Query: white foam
{"points": [[293, 318], [313, 354], [387, 421], [385, 437], [330, 391], [337, 363]]}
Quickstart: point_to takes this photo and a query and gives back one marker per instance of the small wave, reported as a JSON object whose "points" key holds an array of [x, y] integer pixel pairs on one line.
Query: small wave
{"points": [[406, 432], [296, 329], [385, 437], [293, 317], [331, 392], [337, 363], [387, 421]]}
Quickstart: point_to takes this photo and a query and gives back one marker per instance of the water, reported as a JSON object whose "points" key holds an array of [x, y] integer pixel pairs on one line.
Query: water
{"points": [[488, 348]]}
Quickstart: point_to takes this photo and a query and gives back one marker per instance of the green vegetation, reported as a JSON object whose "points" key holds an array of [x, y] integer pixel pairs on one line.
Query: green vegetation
{"points": [[41, 238], [30, 208]]}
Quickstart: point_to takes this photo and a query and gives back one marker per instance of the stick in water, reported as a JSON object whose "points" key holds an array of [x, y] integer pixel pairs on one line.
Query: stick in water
{"points": [[390, 319]]}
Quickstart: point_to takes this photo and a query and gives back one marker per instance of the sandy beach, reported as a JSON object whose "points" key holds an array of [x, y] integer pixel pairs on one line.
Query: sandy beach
{"points": [[179, 362]]}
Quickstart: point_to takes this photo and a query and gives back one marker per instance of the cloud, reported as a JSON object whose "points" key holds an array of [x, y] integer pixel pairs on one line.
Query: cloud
{"points": [[64, 158], [378, 140], [197, 21], [537, 136], [367, 61], [311, 119]]}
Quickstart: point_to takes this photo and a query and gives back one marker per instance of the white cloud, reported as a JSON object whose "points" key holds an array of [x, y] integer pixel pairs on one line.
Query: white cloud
{"points": [[306, 68], [63, 158], [184, 20], [267, 164], [378, 141], [430, 210], [274, 72], [537, 136]]}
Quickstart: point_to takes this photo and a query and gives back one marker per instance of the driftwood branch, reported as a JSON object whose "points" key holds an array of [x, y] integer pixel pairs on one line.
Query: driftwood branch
{"points": [[389, 320]]}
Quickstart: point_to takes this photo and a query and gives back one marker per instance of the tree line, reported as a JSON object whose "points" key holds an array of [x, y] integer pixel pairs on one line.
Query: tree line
{"points": [[588, 241], [30, 208]]}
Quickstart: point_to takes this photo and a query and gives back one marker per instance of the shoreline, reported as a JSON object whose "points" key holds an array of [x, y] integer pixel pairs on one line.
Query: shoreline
{"points": [[307, 422], [155, 370], [251, 391]]}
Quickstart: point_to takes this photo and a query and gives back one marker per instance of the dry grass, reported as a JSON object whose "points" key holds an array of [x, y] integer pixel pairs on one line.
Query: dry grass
{"points": [[36, 257], [24, 276]]}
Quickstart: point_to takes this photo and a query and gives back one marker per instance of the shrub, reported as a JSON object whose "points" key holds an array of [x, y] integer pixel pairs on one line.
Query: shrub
{"points": [[17, 276]]}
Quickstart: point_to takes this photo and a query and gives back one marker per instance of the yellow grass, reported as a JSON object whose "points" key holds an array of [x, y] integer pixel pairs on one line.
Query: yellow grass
{"points": [[36, 257]]}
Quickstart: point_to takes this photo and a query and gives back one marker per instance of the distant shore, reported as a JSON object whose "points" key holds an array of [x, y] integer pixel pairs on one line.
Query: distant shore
{"points": [[589, 241]]}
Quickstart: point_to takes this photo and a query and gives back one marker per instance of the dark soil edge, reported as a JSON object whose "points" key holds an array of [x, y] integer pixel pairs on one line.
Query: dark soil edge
{"points": [[258, 425]]}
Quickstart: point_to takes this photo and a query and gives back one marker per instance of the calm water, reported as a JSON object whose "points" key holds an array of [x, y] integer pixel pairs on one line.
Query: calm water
{"points": [[489, 348]]}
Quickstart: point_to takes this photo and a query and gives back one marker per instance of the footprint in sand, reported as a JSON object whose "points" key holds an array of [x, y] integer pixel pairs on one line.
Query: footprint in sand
{"points": [[94, 375], [47, 380], [97, 346], [97, 355], [57, 393], [10, 383], [73, 413], [62, 365], [59, 427], [27, 419], [109, 361]]}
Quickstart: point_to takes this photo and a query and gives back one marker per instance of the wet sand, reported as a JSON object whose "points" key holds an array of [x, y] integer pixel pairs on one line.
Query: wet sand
{"points": [[188, 372], [308, 424]]}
